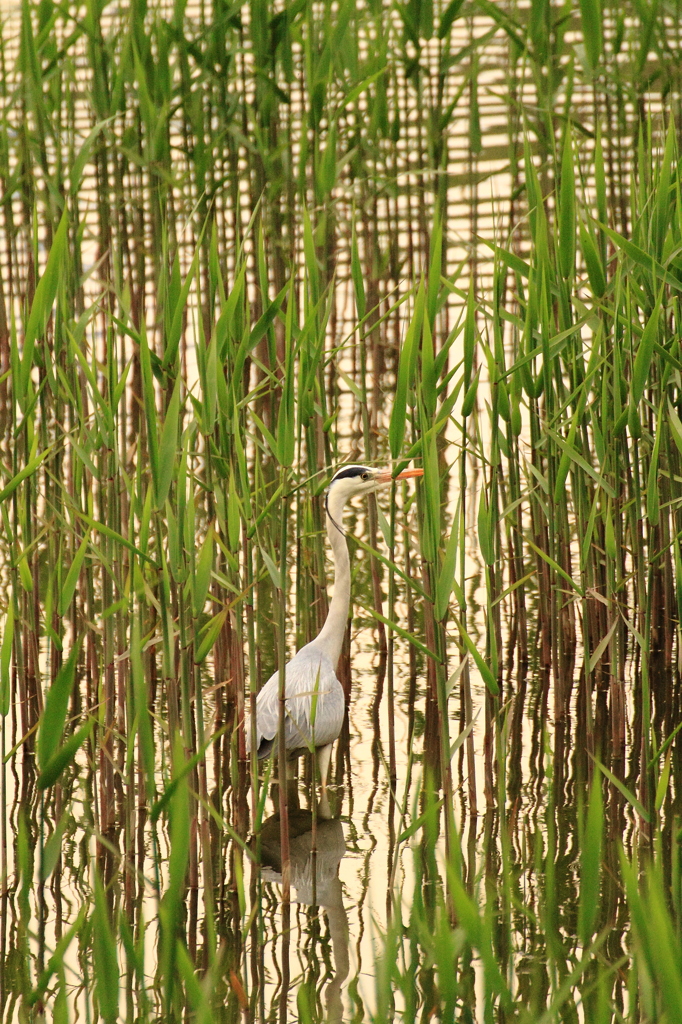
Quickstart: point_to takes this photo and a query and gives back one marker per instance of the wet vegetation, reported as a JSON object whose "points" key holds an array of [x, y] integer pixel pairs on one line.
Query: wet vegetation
{"points": [[241, 243]]}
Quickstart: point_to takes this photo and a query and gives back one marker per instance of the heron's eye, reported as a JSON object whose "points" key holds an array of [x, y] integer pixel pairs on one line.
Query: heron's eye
{"points": [[366, 476]]}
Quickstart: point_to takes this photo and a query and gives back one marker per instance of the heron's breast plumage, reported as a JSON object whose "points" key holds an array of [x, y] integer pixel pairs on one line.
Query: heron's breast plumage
{"points": [[315, 703]]}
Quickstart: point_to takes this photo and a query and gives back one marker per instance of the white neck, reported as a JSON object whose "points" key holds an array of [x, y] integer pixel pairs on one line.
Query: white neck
{"points": [[330, 639]]}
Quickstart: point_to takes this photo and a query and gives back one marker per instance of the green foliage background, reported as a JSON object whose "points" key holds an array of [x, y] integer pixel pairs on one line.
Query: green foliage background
{"points": [[241, 241]]}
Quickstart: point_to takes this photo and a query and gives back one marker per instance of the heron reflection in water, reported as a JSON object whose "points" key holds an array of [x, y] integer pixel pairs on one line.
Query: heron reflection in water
{"points": [[315, 860]]}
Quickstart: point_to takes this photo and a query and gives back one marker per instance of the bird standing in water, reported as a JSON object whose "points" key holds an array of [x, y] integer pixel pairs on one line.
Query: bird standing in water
{"points": [[315, 702]]}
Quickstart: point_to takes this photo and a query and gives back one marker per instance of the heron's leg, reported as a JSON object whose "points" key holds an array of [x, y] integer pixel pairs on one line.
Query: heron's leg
{"points": [[324, 756]]}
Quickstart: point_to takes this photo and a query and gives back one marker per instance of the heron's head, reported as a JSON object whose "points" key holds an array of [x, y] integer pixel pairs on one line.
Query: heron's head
{"points": [[349, 481]]}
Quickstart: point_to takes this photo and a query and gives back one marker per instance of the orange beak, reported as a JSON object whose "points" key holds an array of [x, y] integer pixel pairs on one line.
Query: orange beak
{"points": [[385, 478]]}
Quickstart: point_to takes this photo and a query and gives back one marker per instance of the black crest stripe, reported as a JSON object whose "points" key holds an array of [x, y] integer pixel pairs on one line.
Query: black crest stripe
{"points": [[349, 473]]}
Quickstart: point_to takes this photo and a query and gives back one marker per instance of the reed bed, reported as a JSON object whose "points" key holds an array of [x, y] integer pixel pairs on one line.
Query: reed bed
{"points": [[239, 245]]}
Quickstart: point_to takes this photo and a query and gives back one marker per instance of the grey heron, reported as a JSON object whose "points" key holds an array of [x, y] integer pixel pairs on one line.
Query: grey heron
{"points": [[314, 697]]}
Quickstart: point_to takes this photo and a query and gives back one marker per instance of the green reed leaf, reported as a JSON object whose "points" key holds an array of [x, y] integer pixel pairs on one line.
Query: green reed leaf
{"points": [[469, 400], [430, 536], [622, 788], [275, 574], [665, 198], [23, 474], [475, 133], [652, 489], [648, 16], [406, 367], [663, 782], [105, 956], [211, 634], [311, 263], [591, 16], [642, 258], [212, 379], [555, 566], [656, 936], [171, 904], [508, 24], [53, 718], [202, 576], [62, 758], [427, 387], [107, 531], [194, 991], [569, 453], [665, 945], [286, 419], [675, 426], [149, 400], [357, 275], [234, 514], [477, 930], [601, 646], [403, 633], [419, 822], [446, 575], [469, 335], [590, 863], [326, 172], [567, 209], [6, 658], [141, 708], [228, 323], [391, 565], [486, 541], [595, 270], [43, 300], [645, 349], [83, 156], [633, 421], [435, 263], [53, 847], [180, 774], [71, 581], [481, 664], [448, 17], [575, 456], [168, 448], [56, 961]]}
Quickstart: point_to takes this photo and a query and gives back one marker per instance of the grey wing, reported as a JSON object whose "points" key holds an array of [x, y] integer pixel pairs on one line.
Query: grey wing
{"points": [[267, 717], [315, 705]]}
